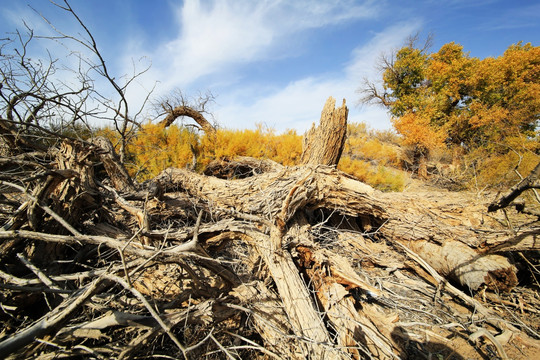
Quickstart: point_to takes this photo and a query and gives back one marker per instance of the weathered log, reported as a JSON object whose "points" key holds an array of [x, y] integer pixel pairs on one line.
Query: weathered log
{"points": [[316, 305], [455, 260], [307, 260], [276, 196], [332, 279], [269, 318], [115, 169], [306, 323], [313, 308], [324, 144]]}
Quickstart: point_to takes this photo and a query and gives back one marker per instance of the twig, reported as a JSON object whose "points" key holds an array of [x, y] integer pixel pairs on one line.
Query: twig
{"points": [[193, 347], [79, 276], [136, 342], [50, 343], [197, 226], [40, 274], [173, 254], [229, 355], [122, 257], [150, 309], [50, 322], [254, 345], [534, 269], [497, 299], [521, 323], [193, 244], [47, 209], [140, 215], [88, 350], [483, 332], [530, 182]]}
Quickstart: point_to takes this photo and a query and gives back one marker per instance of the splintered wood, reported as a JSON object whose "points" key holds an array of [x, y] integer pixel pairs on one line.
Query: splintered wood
{"points": [[324, 144]]}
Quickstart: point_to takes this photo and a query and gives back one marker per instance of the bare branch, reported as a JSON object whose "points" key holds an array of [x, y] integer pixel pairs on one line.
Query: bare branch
{"points": [[177, 106], [51, 322], [532, 181], [371, 94]]}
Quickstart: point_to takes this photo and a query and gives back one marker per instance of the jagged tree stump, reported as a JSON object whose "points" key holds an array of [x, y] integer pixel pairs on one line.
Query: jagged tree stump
{"points": [[324, 144]]}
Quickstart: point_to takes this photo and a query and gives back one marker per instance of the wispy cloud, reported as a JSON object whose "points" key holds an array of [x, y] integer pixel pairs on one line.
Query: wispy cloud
{"points": [[20, 16], [364, 58], [518, 17], [217, 39], [218, 36], [299, 104]]}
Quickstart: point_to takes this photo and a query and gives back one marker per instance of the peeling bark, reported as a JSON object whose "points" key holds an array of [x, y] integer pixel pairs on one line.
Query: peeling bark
{"points": [[324, 144]]}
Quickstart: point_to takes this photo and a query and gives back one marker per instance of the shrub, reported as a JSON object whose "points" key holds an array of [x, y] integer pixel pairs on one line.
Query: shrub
{"points": [[498, 171], [155, 148], [379, 146], [259, 143], [380, 177]]}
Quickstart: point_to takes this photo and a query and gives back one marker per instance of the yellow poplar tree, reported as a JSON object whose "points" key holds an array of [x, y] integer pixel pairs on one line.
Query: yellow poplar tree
{"points": [[448, 98]]}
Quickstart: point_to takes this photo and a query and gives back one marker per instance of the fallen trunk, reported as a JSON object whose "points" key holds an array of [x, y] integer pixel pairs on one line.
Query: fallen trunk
{"points": [[276, 196], [274, 262]]}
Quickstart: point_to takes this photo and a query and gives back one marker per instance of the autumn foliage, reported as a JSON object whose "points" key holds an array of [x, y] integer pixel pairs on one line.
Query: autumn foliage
{"points": [[484, 110], [372, 156], [263, 142]]}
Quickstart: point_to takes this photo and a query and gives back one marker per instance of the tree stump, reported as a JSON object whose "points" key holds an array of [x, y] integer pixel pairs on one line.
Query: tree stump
{"points": [[324, 144]]}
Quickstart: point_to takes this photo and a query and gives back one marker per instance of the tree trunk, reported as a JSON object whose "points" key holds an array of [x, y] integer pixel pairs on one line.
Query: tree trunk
{"points": [[406, 218], [324, 144]]}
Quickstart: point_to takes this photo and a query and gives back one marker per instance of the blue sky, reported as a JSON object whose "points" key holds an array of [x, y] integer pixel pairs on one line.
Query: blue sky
{"points": [[274, 62]]}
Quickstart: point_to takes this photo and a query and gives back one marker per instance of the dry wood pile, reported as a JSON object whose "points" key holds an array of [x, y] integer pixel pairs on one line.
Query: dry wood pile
{"points": [[253, 260]]}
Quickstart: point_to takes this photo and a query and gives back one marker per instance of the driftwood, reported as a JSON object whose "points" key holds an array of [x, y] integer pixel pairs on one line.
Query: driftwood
{"points": [[251, 260]]}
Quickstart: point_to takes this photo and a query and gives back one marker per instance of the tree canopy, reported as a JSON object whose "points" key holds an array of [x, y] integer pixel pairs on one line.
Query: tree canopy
{"points": [[449, 98]]}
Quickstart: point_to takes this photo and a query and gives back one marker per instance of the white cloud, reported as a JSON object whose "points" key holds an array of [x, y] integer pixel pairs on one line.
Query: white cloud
{"points": [[300, 103], [212, 38], [365, 58], [294, 107], [216, 37]]}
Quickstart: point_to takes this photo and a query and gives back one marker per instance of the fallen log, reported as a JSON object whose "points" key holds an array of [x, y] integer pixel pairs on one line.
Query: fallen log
{"points": [[281, 262], [277, 195]]}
